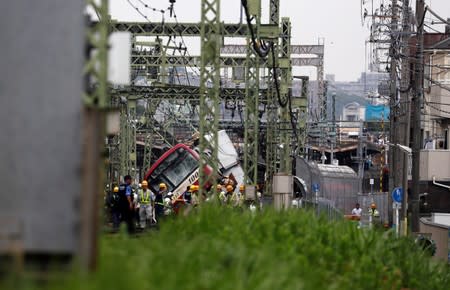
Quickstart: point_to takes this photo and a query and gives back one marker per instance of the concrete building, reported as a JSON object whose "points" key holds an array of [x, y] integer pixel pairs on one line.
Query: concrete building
{"points": [[353, 112], [366, 85], [436, 122]]}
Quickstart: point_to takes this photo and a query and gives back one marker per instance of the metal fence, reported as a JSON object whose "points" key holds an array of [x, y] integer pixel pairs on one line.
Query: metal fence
{"points": [[323, 207], [381, 200]]}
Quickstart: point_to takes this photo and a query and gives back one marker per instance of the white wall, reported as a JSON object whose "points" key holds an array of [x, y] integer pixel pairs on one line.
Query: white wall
{"points": [[441, 218]]}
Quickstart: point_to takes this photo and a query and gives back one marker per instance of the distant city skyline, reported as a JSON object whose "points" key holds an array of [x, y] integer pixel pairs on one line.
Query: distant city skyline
{"points": [[337, 25]]}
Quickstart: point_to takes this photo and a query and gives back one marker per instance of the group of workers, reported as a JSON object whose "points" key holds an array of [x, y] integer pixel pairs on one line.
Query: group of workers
{"points": [[140, 208], [143, 208]]}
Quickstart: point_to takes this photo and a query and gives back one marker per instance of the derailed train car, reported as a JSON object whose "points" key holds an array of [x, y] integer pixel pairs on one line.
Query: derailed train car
{"points": [[336, 183]]}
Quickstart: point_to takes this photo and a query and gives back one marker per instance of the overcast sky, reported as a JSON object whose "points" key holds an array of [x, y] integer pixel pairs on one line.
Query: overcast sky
{"points": [[336, 22]]}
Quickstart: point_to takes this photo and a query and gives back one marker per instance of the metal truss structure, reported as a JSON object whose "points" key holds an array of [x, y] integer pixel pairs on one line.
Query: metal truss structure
{"points": [[210, 39], [96, 68], [185, 29], [177, 92], [286, 83], [144, 59], [251, 124], [207, 97], [272, 107]]}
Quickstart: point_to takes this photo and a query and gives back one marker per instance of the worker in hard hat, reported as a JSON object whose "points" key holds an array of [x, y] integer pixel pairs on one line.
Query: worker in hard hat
{"points": [[146, 198], [159, 201], [222, 195], [215, 194], [229, 194], [187, 195], [373, 210], [115, 207], [194, 191], [237, 198]]}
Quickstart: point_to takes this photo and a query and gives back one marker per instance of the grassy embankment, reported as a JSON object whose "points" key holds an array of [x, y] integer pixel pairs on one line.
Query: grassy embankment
{"points": [[226, 249]]}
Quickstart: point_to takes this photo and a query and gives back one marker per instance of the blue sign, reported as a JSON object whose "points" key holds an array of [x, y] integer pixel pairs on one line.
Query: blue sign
{"points": [[377, 112], [397, 194], [315, 187]]}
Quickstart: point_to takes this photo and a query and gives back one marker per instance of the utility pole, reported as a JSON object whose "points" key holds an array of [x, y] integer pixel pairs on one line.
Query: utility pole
{"points": [[407, 104], [323, 121], [360, 158], [393, 152], [333, 127], [417, 138]]}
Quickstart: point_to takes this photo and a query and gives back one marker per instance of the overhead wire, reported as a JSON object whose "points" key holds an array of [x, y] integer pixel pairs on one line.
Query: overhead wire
{"points": [[436, 15], [176, 20], [174, 15], [171, 38], [163, 11], [262, 49], [259, 46], [138, 10], [429, 27]]}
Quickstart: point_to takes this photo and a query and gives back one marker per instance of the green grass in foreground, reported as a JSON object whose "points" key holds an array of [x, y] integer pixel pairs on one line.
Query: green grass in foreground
{"points": [[218, 248]]}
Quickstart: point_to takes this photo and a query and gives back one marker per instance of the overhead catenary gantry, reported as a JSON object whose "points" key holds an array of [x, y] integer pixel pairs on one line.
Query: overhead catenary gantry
{"points": [[205, 32], [209, 93], [139, 59]]}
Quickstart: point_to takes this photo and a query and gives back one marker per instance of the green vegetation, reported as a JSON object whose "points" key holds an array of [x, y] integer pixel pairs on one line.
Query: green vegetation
{"points": [[227, 249]]}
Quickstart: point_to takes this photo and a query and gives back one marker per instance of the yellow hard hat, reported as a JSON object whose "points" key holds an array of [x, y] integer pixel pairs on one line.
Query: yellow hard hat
{"points": [[193, 187], [162, 186], [144, 183], [242, 187], [219, 187], [116, 189], [229, 188]]}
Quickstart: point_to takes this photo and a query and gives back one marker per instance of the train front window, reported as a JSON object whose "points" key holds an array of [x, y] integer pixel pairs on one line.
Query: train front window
{"points": [[182, 168], [173, 170]]}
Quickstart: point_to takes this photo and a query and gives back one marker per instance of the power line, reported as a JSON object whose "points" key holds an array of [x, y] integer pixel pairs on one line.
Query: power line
{"points": [[138, 10], [439, 103], [436, 15], [182, 39], [260, 47], [152, 8], [435, 30], [439, 84], [176, 45]]}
